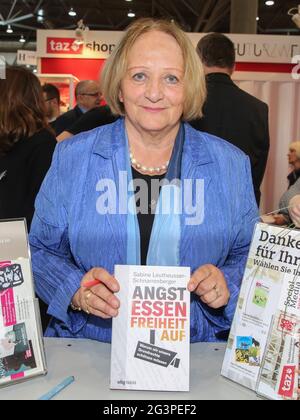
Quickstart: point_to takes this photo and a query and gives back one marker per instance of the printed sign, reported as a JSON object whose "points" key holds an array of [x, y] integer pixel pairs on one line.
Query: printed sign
{"points": [[63, 46]]}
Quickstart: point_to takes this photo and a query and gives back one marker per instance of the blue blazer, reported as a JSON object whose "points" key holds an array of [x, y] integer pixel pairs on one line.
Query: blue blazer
{"points": [[69, 237]]}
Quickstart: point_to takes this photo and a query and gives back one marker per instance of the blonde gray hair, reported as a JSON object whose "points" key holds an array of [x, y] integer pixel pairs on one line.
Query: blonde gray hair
{"points": [[296, 146], [116, 66]]}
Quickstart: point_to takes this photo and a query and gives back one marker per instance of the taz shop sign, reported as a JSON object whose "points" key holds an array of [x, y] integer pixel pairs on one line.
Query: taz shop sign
{"points": [[99, 44], [62, 44]]}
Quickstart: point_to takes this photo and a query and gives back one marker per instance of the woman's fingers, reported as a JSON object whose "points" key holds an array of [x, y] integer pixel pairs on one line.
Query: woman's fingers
{"points": [[102, 276], [96, 294], [209, 284]]}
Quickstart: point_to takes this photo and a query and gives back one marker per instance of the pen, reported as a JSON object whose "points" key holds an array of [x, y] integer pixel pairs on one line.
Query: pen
{"points": [[55, 390], [91, 283]]}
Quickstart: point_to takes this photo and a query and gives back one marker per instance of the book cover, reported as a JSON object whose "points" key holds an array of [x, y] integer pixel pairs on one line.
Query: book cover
{"points": [[151, 335], [271, 283]]}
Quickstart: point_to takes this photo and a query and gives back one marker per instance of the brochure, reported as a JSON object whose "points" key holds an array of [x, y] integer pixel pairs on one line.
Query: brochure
{"points": [[271, 285], [21, 345]]}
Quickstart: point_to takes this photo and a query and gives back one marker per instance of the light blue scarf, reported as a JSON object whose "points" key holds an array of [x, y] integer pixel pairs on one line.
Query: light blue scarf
{"points": [[165, 236]]}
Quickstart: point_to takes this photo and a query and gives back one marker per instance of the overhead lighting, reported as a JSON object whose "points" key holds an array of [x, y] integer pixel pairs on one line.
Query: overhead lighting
{"points": [[40, 15], [22, 39], [9, 29], [296, 15], [131, 14], [128, 0], [257, 18], [269, 3], [72, 12]]}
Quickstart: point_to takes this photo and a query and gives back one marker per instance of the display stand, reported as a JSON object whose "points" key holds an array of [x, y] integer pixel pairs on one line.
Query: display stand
{"points": [[22, 353]]}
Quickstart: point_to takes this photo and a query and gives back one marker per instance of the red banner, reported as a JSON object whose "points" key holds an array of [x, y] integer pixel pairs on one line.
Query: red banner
{"points": [[286, 388]]}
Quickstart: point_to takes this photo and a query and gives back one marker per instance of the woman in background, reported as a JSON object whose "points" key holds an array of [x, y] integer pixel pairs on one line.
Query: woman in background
{"points": [[26, 143], [26, 147], [284, 216]]}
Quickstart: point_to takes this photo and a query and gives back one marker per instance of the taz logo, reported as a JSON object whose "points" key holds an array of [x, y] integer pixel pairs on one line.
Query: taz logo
{"points": [[286, 388], [63, 46], [287, 325]]}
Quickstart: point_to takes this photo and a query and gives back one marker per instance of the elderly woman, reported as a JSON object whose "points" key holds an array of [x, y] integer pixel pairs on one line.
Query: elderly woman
{"points": [[97, 207]]}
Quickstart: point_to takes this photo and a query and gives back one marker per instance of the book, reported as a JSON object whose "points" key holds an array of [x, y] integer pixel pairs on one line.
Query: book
{"points": [[22, 353], [151, 334], [270, 286]]}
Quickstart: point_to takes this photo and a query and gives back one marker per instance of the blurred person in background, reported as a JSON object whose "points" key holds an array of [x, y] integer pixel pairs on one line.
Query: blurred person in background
{"points": [[230, 112], [26, 147], [295, 209], [101, 115], [88, 96], [26, 143], [284, 215], [52, 100]]}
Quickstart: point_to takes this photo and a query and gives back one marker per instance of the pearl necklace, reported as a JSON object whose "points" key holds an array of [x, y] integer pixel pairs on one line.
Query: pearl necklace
{"points": [[150, 169]]}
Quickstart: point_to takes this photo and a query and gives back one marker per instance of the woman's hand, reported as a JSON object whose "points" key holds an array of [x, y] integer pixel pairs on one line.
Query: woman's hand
{"points": [[99, 299], [280, 220], [208, 282], [295, 210]]}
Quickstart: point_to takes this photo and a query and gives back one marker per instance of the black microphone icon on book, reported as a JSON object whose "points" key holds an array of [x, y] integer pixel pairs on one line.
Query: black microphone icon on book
{"points": [[157, 355]]}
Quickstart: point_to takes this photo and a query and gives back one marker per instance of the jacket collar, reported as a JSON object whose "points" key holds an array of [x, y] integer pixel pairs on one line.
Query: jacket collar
{"points": [[108, 141], [219, 78], [196, 146]]}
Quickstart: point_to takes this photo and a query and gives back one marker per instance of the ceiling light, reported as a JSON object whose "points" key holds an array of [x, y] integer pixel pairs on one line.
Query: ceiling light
{"points": [[22, 39], [257, 18], [269, 3], [72, 12], [40, 15], [131, 14], [9, 29], [295, 16]]}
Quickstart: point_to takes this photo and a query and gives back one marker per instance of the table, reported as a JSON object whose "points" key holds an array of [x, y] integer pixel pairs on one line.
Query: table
{"points": [[89, 362]]}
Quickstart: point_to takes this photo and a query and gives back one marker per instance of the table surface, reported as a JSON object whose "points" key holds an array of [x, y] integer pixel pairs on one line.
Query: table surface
{"points": [[89, 362]]}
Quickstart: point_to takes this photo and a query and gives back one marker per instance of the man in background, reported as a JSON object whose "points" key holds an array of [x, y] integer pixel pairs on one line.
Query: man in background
{"points": [[88, 96], [101, 115], [52, 100], [230, 112]]}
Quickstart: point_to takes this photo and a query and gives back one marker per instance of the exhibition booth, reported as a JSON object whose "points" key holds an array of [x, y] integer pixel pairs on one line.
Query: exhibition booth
{"points": [[267, 67]]}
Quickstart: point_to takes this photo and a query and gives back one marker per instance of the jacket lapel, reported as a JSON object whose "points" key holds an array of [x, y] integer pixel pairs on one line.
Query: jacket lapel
{"points": [[112, 163]]}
